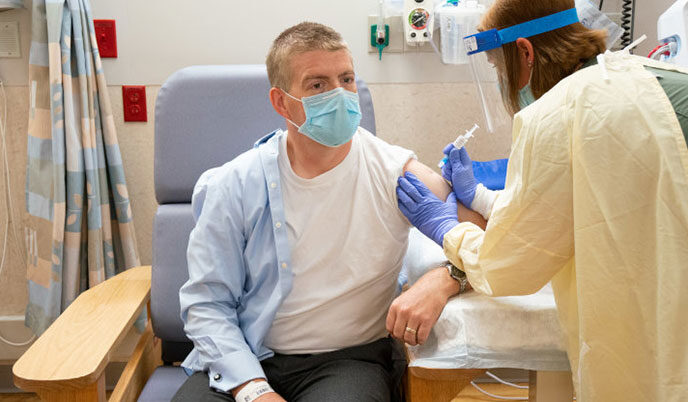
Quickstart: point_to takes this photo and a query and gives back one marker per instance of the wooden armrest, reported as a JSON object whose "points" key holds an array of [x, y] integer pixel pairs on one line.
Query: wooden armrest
{"points": [[74, 350]]}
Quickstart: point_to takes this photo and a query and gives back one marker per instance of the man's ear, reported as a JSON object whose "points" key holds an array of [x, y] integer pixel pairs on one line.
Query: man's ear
{"points": [[278, 101], [526, 57]]}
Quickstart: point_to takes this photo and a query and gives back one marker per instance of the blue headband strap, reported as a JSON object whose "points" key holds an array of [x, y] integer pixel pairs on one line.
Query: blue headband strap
{"points": [[493, 38], [538, 26]]}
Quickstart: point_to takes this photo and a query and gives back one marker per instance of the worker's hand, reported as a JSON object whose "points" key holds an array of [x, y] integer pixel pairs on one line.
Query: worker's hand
{"points": [[424, 210], [420, 306], [459, 171]]}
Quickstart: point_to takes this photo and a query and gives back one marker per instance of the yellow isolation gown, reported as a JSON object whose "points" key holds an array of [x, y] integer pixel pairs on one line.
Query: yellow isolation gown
{"points": [[596, 200]]}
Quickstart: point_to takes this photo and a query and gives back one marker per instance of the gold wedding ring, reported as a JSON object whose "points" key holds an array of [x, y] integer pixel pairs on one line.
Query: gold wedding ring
{"points": [[411, 330]]}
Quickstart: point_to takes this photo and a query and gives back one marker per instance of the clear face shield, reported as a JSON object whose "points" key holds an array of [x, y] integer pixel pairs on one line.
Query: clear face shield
{"points": [[487, 69], [487, 61]]}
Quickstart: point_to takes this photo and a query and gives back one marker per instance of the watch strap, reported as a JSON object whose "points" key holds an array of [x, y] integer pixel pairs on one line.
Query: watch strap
{"points": [[458, 275]]}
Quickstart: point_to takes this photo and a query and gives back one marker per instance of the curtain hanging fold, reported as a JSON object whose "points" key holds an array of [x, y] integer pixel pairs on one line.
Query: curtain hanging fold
{"points": [[80, 227]]}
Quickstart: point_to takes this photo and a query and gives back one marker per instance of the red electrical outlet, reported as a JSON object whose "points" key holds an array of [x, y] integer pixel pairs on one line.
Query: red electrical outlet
{"points": [[106, 36], [134, 102]]}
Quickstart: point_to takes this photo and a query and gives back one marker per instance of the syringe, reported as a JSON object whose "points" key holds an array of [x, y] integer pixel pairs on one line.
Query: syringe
{"points": [[459, 142]]}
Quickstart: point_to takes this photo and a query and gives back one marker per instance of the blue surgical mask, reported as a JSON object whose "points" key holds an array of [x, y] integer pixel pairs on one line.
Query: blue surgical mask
{"points": [[332, 117], [525, 96]]}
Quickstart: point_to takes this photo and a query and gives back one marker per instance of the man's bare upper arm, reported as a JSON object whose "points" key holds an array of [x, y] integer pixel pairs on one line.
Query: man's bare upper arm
{"points": [[441, 189]]}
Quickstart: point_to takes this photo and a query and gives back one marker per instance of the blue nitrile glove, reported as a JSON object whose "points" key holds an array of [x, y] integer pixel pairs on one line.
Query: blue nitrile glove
{"points": [[492, 174], [459, 171], [433, 217]]}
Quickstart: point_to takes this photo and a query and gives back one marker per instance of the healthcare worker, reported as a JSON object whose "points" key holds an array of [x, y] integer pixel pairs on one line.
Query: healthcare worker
{"points": [[595, 199]]}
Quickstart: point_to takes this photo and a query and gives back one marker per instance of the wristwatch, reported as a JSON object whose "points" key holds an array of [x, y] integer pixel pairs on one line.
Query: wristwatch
{"points": [[458, 275]]}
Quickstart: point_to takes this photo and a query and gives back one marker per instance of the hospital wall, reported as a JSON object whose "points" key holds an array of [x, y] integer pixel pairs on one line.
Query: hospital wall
{"points": [[419, 103]]}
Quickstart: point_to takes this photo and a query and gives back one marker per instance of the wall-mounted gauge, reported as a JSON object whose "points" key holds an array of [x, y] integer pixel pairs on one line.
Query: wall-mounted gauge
{"points": [[418, 21]]}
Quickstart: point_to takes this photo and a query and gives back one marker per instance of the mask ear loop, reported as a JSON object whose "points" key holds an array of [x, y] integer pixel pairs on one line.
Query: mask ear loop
{"points": [[530, 66], [291, 96], [296, 99]]}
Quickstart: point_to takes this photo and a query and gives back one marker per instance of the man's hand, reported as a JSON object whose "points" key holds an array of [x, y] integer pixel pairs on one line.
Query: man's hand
{"points": [[271, 397], [413, 314]]}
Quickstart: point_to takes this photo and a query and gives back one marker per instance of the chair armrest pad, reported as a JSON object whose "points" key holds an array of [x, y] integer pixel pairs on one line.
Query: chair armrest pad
{"points": [[75, 349]]}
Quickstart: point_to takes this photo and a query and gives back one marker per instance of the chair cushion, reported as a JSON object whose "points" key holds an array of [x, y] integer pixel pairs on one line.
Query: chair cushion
{"points": [[163, 384], [171, 228]]}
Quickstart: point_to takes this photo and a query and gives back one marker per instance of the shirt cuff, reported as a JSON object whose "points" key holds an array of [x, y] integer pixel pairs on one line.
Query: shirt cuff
{"points": [[234, 369]]}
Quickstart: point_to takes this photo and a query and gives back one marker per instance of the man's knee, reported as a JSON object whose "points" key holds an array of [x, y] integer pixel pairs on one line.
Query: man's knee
{"points": [[349, 380]]}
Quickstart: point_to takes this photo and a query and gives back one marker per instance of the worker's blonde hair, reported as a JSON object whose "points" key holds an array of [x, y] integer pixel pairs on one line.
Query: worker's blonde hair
{"points": [[304, 37], [557, 53]]}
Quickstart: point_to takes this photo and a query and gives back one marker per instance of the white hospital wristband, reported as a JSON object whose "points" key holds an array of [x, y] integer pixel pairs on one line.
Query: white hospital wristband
{"points": [[484, 200], [253, 390]]}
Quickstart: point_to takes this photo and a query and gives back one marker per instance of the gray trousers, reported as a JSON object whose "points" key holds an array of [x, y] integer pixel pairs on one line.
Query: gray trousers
{"points": [[370, 372]]}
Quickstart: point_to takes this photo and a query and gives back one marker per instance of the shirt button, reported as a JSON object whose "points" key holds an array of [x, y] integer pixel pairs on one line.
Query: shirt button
{"points": [[278, 225], [217, 377], [273, 185], [284, 265]]}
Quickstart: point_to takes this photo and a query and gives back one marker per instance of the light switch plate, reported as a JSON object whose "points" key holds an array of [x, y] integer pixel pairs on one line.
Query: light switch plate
{"points": [[106, 36], [9, 39]]}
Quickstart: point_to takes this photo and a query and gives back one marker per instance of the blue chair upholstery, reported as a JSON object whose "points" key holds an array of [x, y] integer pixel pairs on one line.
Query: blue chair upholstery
{"points": [[204, 117]]}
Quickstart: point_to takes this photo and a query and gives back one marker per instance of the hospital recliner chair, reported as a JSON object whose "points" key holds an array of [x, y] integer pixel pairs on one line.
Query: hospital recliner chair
{"points": [[204, 117]]}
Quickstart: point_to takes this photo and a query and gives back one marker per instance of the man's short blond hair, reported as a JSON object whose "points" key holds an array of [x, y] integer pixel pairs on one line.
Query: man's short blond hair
{"points": [[301, 38]]}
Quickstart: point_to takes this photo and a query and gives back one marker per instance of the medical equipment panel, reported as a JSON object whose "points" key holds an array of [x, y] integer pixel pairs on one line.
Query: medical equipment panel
{"points": [[672, 31], [418, 21], [457, 21]]}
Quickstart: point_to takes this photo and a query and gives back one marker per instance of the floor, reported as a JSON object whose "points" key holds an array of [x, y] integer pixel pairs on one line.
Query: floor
{"points": [[469, 394]]}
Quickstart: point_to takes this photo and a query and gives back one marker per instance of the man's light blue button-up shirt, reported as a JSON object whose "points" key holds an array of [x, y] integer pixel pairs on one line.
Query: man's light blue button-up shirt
{"points": [[239, 266]]}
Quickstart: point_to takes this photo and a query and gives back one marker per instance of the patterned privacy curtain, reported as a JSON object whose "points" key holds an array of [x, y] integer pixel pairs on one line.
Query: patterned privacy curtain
{"points": [[80, 229]]}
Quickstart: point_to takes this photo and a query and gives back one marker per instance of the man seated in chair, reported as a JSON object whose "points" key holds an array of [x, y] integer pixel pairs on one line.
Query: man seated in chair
{"points": [[298, 243]]}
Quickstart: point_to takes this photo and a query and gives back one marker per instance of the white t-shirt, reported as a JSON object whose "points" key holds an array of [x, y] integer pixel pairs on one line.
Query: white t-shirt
{"points": [[348, 240]]}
